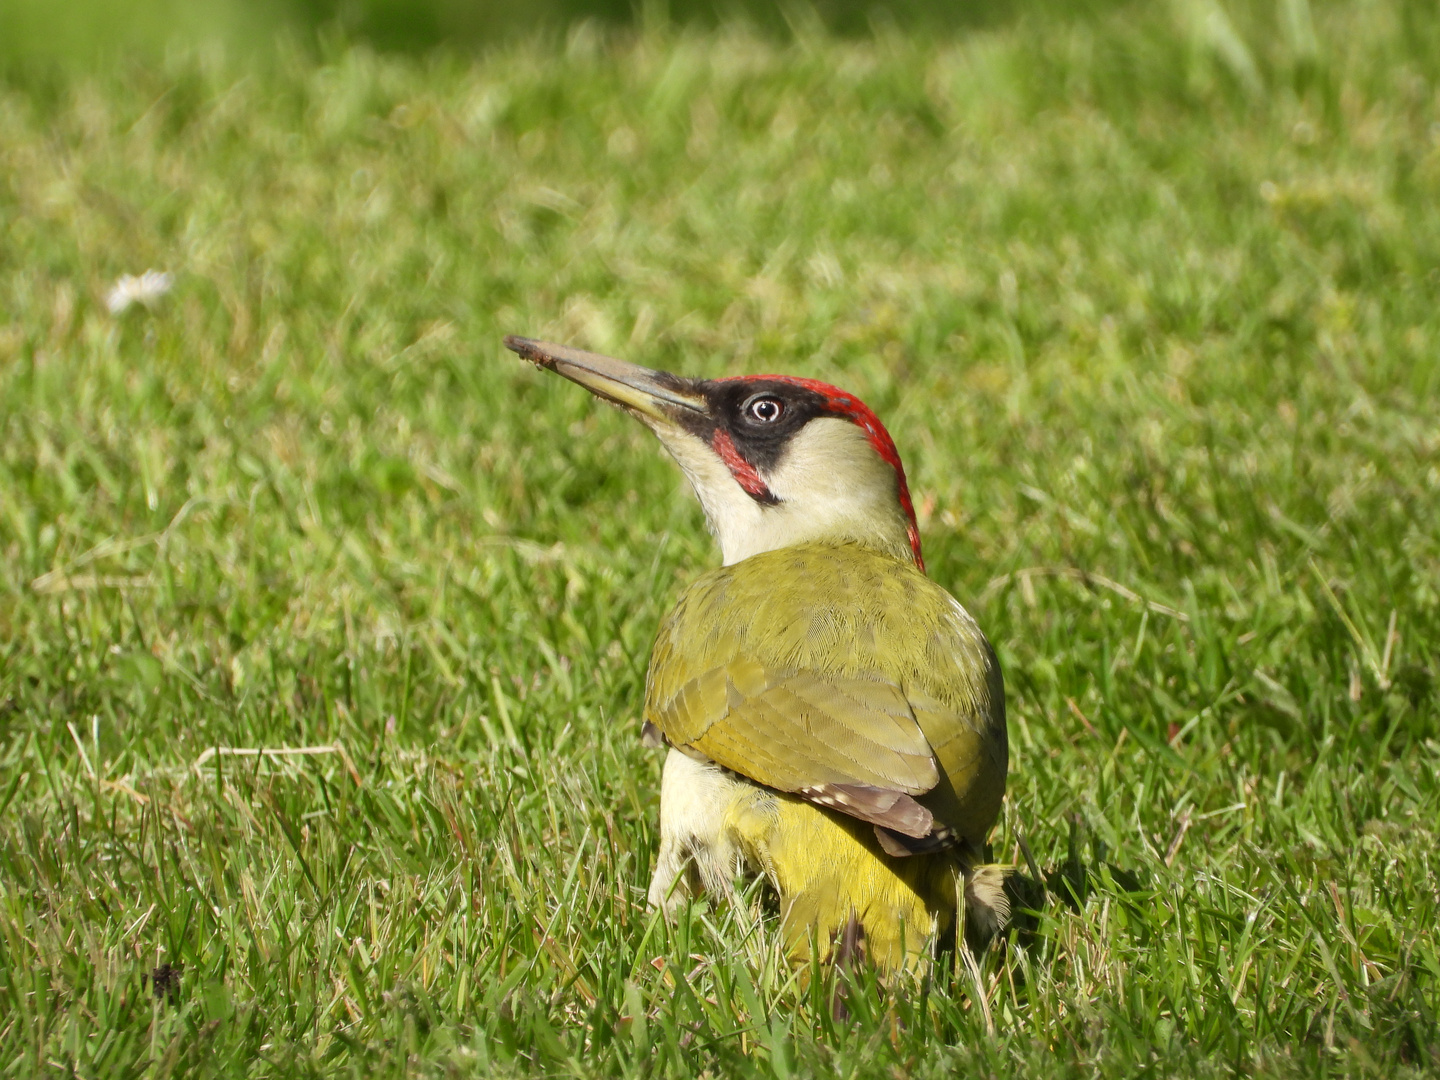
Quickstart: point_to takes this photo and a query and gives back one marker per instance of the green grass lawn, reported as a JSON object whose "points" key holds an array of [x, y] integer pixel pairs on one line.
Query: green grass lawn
{"points": [[1151, 303]]}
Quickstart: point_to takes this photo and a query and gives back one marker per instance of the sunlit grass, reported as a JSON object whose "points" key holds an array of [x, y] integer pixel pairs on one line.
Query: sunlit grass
{"points": [[1149, 305]]}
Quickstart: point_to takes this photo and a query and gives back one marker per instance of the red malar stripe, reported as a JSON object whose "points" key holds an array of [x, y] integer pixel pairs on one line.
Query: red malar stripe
{"points": [[745, 474]]}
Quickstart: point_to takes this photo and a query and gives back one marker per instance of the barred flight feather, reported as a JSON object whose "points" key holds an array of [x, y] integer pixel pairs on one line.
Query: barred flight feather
{"points": [[878, 806]]}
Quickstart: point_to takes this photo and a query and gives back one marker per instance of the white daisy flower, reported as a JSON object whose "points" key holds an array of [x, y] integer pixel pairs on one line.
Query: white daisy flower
{"points": [[146, 289]]}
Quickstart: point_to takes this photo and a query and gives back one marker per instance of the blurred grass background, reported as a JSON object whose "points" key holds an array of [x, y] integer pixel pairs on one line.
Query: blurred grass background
{"points": [[1147, 295], [87, 29]]}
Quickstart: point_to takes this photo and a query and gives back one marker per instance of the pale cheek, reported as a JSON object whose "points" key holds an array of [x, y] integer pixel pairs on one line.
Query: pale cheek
{"points": [[830, 485], [831, 462], [834, 489]]}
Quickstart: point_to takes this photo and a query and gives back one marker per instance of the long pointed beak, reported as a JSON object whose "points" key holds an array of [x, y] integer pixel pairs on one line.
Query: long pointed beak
{"points": [[654, 396]]}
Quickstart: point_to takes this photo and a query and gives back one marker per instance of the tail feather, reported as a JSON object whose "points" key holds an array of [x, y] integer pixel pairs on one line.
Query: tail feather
{"points": [[987, 907], [848, 951]]}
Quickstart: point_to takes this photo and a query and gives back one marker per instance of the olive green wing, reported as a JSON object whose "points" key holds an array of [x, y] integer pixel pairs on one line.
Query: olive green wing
{"points": [[972, 752], [852, 686], [848, 743]]}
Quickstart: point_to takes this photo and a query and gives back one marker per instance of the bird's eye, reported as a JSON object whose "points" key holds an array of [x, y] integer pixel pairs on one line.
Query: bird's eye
{"points": [[765, 410]]}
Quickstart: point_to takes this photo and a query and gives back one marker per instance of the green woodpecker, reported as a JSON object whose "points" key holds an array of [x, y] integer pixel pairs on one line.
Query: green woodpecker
{"points": [[836, 720]]}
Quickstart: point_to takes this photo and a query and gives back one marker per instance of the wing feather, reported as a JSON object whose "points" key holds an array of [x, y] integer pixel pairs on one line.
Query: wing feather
{"points": [[865, 693]]}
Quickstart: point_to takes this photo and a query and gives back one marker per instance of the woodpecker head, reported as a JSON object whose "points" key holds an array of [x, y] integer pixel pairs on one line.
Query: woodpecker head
{"points": [[776, 460]]}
